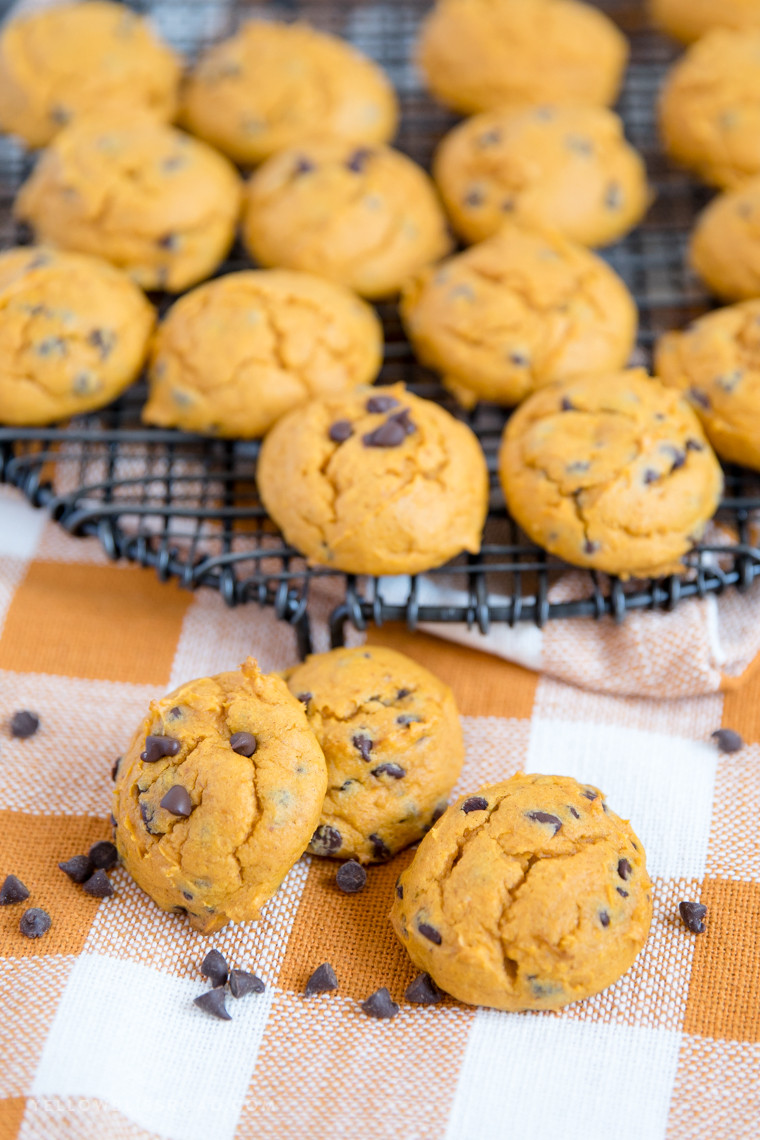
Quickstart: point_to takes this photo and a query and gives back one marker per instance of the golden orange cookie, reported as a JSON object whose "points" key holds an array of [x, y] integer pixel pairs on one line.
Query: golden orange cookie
{"points": [[688, 20], [725, 243]]}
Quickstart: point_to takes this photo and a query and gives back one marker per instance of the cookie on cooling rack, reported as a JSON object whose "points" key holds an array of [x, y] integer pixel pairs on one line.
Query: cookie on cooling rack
{"points": [[69, 60], [150, 199], [528, 894], [689, 20], [570, 168], [218, 795], [392, 741], [376, 481], [518, 311], [610, 472], [74, 333], [725, 243], [365, 216], [273, 86], [715, 363], [235, 354], [480, 54]]}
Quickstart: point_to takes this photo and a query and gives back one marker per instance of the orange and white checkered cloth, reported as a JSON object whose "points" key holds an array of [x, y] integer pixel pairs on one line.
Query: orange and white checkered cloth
{"points": [[99, 1037]]}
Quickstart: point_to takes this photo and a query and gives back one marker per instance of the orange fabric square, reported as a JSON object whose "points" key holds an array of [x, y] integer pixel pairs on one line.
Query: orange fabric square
{"points": [[113, 623], [741, 706], [724, 994], [11, 1115]]}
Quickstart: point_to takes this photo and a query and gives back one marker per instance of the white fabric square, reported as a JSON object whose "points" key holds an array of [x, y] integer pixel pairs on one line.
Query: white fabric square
{"points": [[133, 1038], [528, 1077], [664, 784], [20, 527]]}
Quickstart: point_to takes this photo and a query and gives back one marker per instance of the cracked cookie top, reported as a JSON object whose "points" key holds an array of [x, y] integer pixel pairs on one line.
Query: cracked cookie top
{"points": [[275, 85], [610, 472], [365, 216], [516, 312], [529, 894], [392, 741], [218, 795], [377, 481], [235, 354]]}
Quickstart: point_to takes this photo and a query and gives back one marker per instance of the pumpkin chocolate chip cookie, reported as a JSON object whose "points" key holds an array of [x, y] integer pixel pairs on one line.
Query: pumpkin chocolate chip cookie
{"points": [[518, 311], [689, 20], [392, 740], [377, 481], [218, 795], [273, 86], [610, 472], [529, 894], [725, 243], [236, 353]]}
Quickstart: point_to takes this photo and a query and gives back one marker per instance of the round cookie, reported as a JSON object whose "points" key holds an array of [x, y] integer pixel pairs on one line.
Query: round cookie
{"points": [[251, 779], [518, 311], [152, 200], [69, 60], [481, 54], [715, 363], [529, 894], [725, 243], [74, 333], [235, 354], [710, 108], [610, 472], [569, 168], [689, 20], [273, 86], [392, 741], [366, 217], [376, 481]]}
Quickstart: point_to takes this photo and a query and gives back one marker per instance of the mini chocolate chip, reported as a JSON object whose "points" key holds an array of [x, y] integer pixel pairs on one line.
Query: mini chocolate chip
{"points": [[605, 809], [403, 418], [403, 693], [579, 145], [175, 712], [423, 991], [34, 922], [214, 967], [51, 345], [103, 855], [399, 890], [340, 431], [213, 1002], [78, 868], [620, 891], [429, 932], [679, 459], [322, 981], [98, 885], [650, 475], [156, 747], [567, 405], [589, 795], [188, 896], [578, 467], [625, 870], [177, 801], [390, 434], [604, 918], [440, 809], [359, 159], [699, 397], [393, 770], [694, 445], [303, 166], [474, 803], [243, 983], [380, 1005], [167, 241], [351, 877], [381, 404], [244, 743], [590, 547], [112, 818], [613, 199], [727, 740], [326, 840], [573, 812], [115, 767], [363, 746], [146, 814], [408, 718], [24, 724], [304, 698], [693, 914], [490, 138], [13, 891], [103, 340], [545, 817], [473, 198], [347, 784], [379, 849]]}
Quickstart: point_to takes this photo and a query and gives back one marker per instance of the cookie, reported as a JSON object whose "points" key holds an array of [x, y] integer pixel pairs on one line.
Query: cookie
{"points": [[518, 311], [529, 894], [218, 795], [610, 472], [74, 333], [725, 243], [480, 54], [273, 86], [235, 354], [565, 167], [689, 20], [364, 216], [392, 741], [377, 481], [710, 108], [60, 63], [715, 363], [148, 198]]}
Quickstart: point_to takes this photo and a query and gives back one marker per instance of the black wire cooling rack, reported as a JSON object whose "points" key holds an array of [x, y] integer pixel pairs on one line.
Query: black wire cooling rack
{"points": [[189, 507]]}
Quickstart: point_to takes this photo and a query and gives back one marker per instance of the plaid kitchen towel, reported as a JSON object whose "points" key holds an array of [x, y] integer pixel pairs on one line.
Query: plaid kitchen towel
{"points": [[99, 1036]]}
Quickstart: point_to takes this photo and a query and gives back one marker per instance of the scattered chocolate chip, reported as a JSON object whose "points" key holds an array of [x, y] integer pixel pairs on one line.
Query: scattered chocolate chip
{"points": [[474, 803], [244, 743], [650, 475], [304, 698], [380, 1005], [589, 795], [78, 868], [98, 885], [699, 397], [423, 991], [380, 404], [243, 983], [322, 981], [214, 967], [567, 405], [34, 922], [103, 855], [393, 770], [390, 434], [359, 159], [326, 840], [24, 724], [168, 241], [693, 915], [115, 767], [620, 891], [429, 932], [213, 1002], [177, 801], [13, 891], [727, 740], [625, 870], [379, 849], [156, 747], [340, 431], [694, 445], [573, 812], [604, 918], [363, 746], [591, 547], [303, 166], [351, 877], [408, 718], [545, 817], [399, 890]]}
